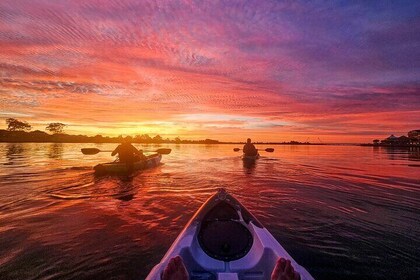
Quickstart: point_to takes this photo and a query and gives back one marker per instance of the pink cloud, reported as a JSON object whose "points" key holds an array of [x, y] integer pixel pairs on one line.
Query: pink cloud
{"points": [[112, 62]]}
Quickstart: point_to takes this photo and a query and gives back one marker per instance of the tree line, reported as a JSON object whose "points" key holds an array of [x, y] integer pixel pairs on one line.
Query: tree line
{"points": [[20, 131]]}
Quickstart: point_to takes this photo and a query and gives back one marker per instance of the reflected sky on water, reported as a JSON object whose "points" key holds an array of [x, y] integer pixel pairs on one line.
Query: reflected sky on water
{"points": [[343, 212]]}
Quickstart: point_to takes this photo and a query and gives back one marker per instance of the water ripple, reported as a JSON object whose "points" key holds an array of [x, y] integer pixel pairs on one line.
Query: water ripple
{"points": [[335, 215]]}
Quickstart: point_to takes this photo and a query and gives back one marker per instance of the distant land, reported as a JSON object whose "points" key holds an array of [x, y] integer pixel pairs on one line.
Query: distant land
{"points": [[411, 140], [39, 136]]}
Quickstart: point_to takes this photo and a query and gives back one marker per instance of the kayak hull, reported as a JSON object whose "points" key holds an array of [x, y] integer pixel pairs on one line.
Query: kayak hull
{"points": [[224, 240], [116, 168]]}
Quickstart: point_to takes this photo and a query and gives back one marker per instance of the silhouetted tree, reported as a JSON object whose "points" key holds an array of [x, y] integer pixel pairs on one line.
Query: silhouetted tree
{"points": [[146, 138], [157, 139], [98, 138], [211, 141], [143, 138], [177, 140], [16, 125], [55, 127]]}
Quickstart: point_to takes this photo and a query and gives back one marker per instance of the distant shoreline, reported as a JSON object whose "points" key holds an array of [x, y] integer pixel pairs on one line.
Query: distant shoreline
{"points": [[38, 136], [219, 143], [187, 143]]}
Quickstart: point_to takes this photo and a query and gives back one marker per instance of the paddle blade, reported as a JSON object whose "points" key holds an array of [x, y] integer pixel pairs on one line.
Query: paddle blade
{"points": [[90, 151], [236, 149], [270, 150], [163, 151]]}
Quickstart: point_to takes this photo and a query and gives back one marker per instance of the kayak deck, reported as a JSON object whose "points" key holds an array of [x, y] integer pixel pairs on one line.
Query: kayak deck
{"points": [[225, 241], [121, 167]]}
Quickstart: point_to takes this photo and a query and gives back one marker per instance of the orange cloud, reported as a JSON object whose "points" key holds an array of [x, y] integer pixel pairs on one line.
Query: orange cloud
{"points": [[273, 71]]}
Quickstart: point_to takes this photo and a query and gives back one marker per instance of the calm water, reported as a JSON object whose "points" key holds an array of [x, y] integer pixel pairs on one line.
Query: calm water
{"points": [[343, 212]]}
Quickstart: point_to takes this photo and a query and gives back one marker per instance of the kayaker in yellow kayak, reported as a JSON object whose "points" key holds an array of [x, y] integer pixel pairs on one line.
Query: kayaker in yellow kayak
{"points": [[249, 148], [128, 153]]}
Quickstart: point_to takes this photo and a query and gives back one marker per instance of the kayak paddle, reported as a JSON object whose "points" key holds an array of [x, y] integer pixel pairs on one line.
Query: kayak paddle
{"points": [[94, 151], [91, 151], [269, 150]]}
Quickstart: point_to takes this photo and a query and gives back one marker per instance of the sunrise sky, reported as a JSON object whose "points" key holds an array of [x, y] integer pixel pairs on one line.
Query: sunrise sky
{"points": [[271, 70]]}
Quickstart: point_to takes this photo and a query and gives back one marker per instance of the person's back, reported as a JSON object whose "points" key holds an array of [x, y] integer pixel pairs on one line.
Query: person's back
{"points": [[127, 153], [249, 148]]}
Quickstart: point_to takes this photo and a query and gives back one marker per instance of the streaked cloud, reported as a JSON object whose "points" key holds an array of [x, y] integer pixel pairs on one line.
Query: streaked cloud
{"points": [[220, 69]]}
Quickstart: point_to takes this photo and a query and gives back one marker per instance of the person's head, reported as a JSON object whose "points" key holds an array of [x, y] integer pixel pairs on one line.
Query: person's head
{"points": [[248, 140]]}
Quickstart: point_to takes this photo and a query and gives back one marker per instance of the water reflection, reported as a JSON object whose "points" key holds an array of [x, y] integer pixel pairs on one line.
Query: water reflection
{"points": [[125, 189], [398, 153], [119, 187], [249, 166], [56, 151], [209, 146], [414, 154], [14, 152], [119, 227]]}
